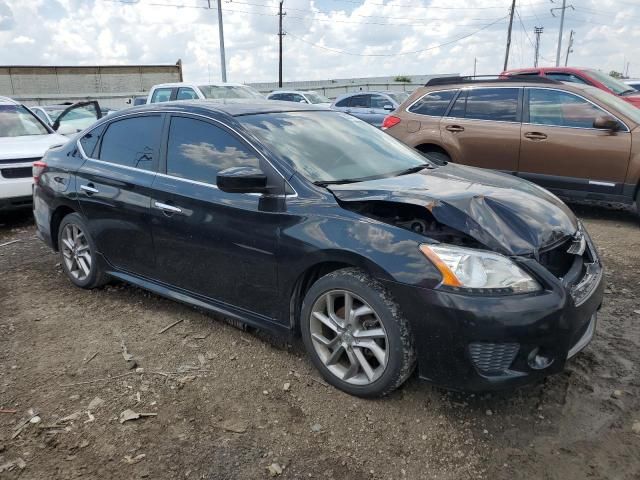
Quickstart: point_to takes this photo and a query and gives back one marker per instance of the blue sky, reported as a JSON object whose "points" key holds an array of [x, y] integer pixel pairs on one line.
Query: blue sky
{"points": [[327, 38]]}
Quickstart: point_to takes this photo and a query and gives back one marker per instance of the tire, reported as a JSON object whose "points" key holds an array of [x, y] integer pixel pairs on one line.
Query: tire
{"points": [[377, 333], [78, 253], [439, 157]]}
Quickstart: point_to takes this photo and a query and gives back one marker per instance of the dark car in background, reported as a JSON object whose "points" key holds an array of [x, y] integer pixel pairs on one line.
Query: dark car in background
{"points": [[301, 220], [372, 107]]}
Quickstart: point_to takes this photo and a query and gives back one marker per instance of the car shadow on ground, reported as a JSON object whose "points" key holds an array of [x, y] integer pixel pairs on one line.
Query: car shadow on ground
{"points": [[601, 212], [16, 219]]}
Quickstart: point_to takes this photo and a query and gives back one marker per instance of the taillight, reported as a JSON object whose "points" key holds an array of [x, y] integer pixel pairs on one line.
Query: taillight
{"points": [[37, 169], [390, 121]]}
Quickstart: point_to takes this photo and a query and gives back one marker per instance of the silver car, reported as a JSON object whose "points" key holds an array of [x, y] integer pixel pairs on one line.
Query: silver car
{"points": [[371, 107]]}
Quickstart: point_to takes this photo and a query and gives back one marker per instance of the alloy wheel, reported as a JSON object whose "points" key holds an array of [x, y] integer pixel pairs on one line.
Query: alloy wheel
{"points": [[349, 337], [76, 252]]}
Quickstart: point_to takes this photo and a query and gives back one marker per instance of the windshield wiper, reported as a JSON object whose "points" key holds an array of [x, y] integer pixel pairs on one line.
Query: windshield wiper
{"points": [[324, 183], [415, 169]]}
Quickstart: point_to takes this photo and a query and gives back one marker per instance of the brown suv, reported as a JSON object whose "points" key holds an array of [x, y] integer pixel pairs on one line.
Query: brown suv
{"points": [[578, 141]]}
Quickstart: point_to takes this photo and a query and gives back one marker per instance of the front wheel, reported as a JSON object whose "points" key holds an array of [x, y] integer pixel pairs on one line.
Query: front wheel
{"points": [[78, 253], [355, 334]]}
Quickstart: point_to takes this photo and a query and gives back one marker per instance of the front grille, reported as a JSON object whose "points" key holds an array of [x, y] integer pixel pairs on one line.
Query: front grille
{"points": [[19, 160], [19, 172], [493, 357]]}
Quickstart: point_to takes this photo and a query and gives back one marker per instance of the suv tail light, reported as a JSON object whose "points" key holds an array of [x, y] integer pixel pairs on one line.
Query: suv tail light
{"points": [[390, 121], [37, 169]]}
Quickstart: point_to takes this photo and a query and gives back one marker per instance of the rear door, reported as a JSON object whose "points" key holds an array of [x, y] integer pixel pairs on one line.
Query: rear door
{"points": [[360, 106], [562, 150], [378, 111], [209, 242], [482, 128], [114, 187]]}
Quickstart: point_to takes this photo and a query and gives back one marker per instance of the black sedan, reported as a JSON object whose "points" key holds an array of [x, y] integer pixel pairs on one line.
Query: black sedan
{"points": [[306, 221]]}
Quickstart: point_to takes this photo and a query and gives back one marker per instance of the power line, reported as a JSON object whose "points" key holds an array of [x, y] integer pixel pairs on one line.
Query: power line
{"points": [[401, 53]]}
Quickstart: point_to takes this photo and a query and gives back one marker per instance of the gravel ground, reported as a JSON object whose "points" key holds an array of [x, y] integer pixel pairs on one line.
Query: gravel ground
{"points": [[230, 404]]}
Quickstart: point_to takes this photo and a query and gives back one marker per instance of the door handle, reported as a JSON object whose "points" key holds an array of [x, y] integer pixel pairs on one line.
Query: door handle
{"points": [[89, 189], [535, 136], [454, 128], [167, 208]]}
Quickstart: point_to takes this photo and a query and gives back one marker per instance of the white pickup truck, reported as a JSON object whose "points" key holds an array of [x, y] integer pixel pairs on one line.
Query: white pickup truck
{"points": [[191, 91]]}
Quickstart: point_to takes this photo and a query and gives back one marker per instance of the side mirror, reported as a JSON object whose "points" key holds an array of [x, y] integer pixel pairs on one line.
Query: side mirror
{"points": [[388, 107], [242, 180], [605, 122]]}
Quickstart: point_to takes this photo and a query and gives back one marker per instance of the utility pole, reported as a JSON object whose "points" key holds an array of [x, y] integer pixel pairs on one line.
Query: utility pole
{"points": [[563, 8], [537, 31], [506, 55], [569, 49], [280, 35], [475, 64], [223, 62]]}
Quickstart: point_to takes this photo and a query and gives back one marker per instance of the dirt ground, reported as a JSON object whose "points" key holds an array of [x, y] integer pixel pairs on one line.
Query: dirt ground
{"points": [[229, 404]]}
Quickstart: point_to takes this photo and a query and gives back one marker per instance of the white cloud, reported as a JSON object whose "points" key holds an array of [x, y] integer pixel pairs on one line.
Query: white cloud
{"points": [[88, 32]]}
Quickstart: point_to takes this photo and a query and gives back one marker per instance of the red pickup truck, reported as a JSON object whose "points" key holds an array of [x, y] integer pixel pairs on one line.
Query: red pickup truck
{"points": [[588, 76]]}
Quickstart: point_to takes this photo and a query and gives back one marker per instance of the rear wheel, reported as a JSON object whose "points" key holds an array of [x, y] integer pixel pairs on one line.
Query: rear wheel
{"points": [[356, 335], [78, 253]]}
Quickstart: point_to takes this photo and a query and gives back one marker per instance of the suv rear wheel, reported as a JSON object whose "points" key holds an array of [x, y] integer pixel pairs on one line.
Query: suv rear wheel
{"points": [[355, 334], [78, 253]]}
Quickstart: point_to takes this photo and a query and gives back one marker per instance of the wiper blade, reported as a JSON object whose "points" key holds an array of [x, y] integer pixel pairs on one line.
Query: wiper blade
{"points": [[324, 183], [415, 169]]}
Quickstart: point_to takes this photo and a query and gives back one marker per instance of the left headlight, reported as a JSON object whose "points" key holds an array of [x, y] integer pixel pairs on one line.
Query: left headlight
{"points": [[478, 271]]}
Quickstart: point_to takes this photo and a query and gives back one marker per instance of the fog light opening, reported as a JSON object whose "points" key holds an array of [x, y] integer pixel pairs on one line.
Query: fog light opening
{"points": [[538, 359]]}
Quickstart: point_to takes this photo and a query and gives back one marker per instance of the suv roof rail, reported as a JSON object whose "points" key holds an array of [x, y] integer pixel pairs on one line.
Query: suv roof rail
{"points": [[489, 78]]}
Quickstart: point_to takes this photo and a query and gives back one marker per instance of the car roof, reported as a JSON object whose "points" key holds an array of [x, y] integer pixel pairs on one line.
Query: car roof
{"points": [[232, 107], [201, 84], [293, 91]]}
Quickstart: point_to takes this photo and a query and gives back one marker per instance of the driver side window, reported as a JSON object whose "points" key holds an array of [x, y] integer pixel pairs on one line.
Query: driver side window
{"points": [[561, 109]]}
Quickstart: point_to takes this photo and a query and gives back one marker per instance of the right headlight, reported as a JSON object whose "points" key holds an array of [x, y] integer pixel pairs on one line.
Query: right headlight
{"points": [[478, 271]]}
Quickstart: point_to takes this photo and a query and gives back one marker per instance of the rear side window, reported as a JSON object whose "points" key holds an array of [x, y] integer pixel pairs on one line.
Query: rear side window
{"points": [[562, 109], [186, 94], [361, 101], [161, 95], [276, 96], [497, 104], [90, 140], [434, 104], [132, 142], [198, 150], [378, 101], [344, 102]]}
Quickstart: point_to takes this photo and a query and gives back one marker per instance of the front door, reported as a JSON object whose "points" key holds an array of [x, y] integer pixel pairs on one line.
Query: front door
{"points": [[483, 128], [208, 242], [114, 188], [562, 150]]}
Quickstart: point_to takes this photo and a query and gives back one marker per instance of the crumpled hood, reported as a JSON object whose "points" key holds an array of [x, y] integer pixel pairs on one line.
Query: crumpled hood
{"points": [[28, 146], [504, 213]]}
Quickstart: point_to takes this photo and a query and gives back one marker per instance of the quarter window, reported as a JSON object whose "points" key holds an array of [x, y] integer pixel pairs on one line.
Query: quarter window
{"points": [[562, 109], [434, 104], [132, 142], [198, 150], [161, 95], [90, 140], [344, 102]]}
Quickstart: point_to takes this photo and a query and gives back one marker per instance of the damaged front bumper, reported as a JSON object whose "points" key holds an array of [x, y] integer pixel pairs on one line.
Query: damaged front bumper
{"points": [[476, 342]]}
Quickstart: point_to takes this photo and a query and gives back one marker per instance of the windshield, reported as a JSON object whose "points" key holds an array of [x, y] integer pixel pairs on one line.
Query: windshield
{"points": [[17, 121], [399, 97], [332, 146], [229, 91], [616, 104], [613, 84], [314, 97]]}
